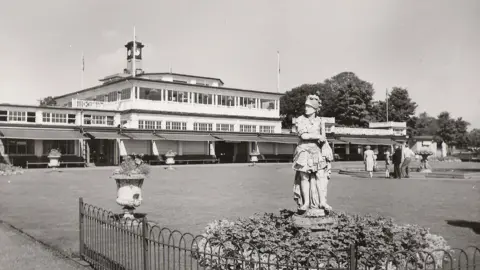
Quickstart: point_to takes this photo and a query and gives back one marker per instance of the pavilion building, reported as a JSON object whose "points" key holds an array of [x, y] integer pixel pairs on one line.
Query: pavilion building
{"points": [[152, 113]]}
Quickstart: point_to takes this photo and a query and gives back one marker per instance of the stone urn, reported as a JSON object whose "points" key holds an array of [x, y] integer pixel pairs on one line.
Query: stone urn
{"points": [[54, 158], [129, 179], [254, 157], [424, 166], [129, 192], [170, 159]]}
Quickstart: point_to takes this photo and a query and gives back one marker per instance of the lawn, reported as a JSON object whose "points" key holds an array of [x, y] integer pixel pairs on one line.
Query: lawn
{"points": [[45, 204]]}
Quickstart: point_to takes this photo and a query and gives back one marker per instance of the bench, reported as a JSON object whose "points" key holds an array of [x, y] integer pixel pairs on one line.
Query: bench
{"points": [[152, 159], [276, 158], [196, 159], [64, 160]]}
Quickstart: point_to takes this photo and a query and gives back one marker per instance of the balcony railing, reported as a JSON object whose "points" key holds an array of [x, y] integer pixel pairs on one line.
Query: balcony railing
{"points": [[362, 131]]}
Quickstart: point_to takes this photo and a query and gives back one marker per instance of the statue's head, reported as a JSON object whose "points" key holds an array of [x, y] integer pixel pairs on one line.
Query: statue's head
{"points": [[312, 105]]}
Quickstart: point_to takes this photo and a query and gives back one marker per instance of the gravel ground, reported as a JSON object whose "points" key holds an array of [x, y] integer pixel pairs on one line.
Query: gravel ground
{"points": [[18, 251]]}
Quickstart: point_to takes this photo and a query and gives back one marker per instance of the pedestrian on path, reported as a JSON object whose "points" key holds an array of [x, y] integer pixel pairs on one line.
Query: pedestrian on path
{"points": [[408, 155]]}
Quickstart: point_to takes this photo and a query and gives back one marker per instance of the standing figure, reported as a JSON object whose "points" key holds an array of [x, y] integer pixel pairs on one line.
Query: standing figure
{"points": [[311, 161], [369, 160], [388, 161], [397, 160], [408, 155]]}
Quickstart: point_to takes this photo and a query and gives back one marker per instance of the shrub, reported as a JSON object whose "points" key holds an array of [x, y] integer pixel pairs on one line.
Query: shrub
{"points": [[133, 165], [275, 239], [7, 169]]}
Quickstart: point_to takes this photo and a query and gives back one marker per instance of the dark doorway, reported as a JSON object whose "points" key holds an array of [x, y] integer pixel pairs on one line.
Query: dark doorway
{"points": [[243, 152], [224, 151], [102, 152]]}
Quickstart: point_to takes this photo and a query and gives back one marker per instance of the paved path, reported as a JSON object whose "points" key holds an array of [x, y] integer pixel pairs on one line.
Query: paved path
{"points": [[18, 251]]}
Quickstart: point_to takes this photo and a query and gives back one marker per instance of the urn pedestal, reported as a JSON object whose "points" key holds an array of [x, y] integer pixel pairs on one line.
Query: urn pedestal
{"points": [[129, 193], [316, 220], [54, 162], [170, 160], [254, 158], [425, 168]]}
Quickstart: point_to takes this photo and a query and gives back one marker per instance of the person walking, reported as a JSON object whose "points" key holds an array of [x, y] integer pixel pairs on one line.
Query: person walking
{"points": [[388, 161], [397, 161], [369, 160], [408, 156]]}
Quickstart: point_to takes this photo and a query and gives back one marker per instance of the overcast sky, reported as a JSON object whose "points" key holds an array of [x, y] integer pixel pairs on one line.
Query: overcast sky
{"points": [[431, 47]]}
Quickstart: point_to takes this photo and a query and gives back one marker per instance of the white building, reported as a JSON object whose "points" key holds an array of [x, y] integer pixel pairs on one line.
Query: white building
{"points": [[151, 113]]}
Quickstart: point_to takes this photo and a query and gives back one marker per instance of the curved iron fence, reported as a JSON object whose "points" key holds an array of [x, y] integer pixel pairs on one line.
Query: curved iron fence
{"points": [[107, 242]]}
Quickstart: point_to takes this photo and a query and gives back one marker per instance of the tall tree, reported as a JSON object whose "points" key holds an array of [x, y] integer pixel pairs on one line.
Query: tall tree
{"points": [[425, 125], [353, 99], [446, 128], [400, 106], [292, 104], [48, 101], [461, 132], [474, 138]]}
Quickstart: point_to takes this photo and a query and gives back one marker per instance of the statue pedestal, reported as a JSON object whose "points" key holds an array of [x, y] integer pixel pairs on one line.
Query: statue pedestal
{"points": [[315, 220]]}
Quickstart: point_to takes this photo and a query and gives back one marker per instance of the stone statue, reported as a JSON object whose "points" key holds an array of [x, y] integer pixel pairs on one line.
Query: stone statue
{"points": [[312, 162]]}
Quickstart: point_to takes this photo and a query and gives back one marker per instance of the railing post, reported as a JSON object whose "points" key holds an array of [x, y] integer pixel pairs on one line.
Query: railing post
{"points": [[353, 257], [80, 225], [146, 253]]}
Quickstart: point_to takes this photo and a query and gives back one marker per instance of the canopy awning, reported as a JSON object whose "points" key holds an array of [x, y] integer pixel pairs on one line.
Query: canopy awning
{"points": [[240, 138], [142, 136], [106, 135], [381, 141], [359, 141], [335, 141], [281, 139], [187, 137], [41, 134]]}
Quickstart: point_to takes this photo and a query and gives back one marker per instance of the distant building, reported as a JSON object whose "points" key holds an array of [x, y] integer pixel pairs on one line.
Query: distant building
{"points": [[152, 113]]}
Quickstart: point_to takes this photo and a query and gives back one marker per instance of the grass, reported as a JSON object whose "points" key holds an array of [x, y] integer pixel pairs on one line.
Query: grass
{"points": [[45, 204]]}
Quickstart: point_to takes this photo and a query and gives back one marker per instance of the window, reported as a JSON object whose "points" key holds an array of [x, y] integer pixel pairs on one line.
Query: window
{"points": [[179, 81], [267, 129], [125, 93], [248, 102], [267, 104], [170, 125], [19, 147], [200, 98], [112, 96], [48, 117], [228, 101], [149, 124], [177, 96], [225, 127], [150, 93], [89, 119], [71, 118], [3, 116], [248, 128], [17, 116], [202, 126], [65, 147]]}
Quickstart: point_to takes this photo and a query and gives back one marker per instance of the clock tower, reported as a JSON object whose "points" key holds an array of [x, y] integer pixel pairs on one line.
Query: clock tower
{"points": [[134, 56]]}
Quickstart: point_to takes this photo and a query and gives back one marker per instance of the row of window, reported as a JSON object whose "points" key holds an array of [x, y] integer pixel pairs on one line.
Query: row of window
{"points": [[57, 118], [187, 97], [27, 147], [173, 125]]}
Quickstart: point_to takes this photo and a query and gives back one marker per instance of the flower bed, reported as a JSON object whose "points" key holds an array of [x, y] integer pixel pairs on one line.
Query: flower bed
{"points": [[6, 169], [274, 239]]}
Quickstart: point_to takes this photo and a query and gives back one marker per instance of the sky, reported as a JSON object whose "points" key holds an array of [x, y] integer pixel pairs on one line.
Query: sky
{"points": [[430, 47]]}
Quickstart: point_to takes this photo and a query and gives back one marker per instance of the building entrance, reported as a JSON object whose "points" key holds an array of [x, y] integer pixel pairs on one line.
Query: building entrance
{"points": [[225, 151], [102, 152]]}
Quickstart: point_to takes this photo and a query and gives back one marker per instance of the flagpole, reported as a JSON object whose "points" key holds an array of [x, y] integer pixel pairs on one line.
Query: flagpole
{"points": [[83, 70], [133, 53], [386, 100], [278, 72]]}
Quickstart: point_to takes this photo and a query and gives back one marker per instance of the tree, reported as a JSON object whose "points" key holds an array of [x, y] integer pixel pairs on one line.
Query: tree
{"points": [[461, 132], [292, 104], [474, 138], [353, 99], [400, 106], [425, 125], [48, 101], [446, 128]]}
